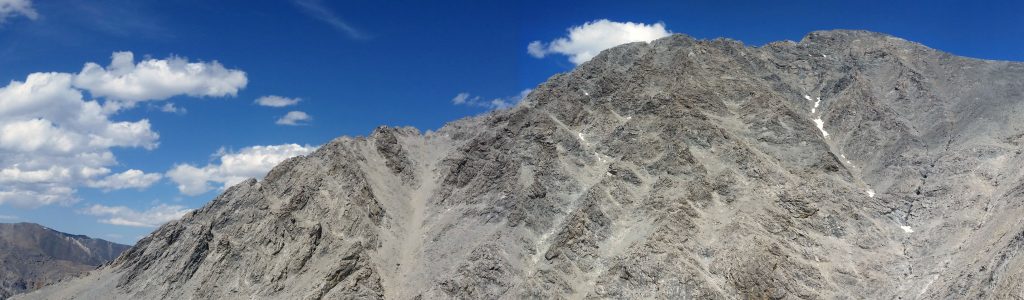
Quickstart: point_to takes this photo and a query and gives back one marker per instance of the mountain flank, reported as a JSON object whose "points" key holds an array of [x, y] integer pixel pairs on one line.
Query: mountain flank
{"points": [[850, 164], [32, 256]]}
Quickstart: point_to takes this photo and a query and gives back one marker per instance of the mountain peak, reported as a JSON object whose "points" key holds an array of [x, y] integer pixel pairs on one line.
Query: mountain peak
{"points": [[852, 163]]}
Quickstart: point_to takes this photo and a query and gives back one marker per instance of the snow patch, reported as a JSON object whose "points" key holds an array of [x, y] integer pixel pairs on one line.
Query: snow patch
{"points": [[815, 108], [821, 126], [907, 229], [871, 193], [808, 98]]}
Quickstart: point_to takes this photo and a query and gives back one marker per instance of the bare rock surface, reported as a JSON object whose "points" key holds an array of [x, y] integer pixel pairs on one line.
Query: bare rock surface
{"points": [[850, 164]]}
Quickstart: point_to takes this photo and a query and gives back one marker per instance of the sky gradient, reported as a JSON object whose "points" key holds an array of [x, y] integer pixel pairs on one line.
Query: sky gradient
{"points": [[339, 68]]}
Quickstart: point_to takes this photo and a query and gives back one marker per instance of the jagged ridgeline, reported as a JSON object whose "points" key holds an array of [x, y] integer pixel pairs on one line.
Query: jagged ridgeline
{"points": [[32, 256], [850, 164]]}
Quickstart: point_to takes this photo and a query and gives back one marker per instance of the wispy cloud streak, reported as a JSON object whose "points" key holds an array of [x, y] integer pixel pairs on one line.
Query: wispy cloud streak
{"points": [[317, 10]]}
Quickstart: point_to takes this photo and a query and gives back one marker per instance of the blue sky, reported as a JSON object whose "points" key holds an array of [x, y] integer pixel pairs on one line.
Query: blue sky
{"points": [[354, 65]]}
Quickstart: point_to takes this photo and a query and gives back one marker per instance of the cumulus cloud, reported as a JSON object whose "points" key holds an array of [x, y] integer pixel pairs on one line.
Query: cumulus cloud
{"points": [[10, 8], [124, 216], [127, 83], [233, 167], [587, 40], [54, 140], [277, 101], [294, 118], [495, 103], [131, 179]]}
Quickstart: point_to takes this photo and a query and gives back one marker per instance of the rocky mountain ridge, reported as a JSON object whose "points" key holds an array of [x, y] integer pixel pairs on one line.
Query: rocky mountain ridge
{"points": [[32, 256], [849, 163]]}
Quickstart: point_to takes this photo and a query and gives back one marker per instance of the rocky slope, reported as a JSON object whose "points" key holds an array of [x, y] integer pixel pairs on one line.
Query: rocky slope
{"points": [[848, 165], [32, 256]]}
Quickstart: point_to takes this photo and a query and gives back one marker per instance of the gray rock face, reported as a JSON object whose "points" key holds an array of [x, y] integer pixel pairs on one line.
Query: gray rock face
{"points": [[848, 165], [32, 256]]}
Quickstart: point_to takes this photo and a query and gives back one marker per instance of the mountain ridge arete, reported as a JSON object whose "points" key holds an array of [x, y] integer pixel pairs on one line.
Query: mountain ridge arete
{"points": [[32, 256], [849, 163]]}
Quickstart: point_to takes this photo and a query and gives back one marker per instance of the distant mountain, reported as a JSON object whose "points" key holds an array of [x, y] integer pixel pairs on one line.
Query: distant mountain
{"points": [[32, 256], [850, 164]]}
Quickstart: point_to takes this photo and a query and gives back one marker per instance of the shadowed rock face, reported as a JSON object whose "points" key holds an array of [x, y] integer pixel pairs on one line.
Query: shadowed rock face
{"points": [[32, 256], [850, 164]]}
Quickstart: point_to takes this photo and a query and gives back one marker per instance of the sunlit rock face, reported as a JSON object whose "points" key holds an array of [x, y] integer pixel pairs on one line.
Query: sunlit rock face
{"points": [[850, 164]]}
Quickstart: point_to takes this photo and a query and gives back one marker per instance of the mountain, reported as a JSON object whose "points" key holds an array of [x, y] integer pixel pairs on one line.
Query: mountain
{"points": [[32, 256], [850, 164]]}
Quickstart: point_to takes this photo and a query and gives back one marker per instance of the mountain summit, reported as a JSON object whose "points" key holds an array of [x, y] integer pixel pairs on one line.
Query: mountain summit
{"points": [[849, 163]]}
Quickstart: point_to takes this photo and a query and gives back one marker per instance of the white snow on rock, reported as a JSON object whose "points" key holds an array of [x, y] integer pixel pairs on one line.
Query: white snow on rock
{"points": [[871, 193], [907, 229], [815, 108], [808, 98], [821, 126]]}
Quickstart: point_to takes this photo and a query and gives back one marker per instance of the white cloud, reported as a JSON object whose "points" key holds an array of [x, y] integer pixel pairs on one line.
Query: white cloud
{"points": [[234, 167], [126, 180], [9, 8], [8, 218], [127, 83], [462, 98], [586, 41], [496, 103], [536, 49], [192, 180], [294, 118], [124, 216], [169, 107], [277, 101], [54, 140]]}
